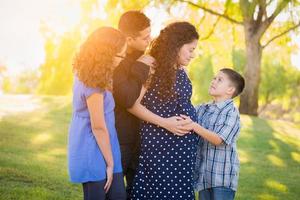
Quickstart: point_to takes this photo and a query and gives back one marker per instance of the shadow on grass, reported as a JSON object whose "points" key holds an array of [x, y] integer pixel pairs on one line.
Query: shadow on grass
{"points": [[268, 170], [33, 153]]}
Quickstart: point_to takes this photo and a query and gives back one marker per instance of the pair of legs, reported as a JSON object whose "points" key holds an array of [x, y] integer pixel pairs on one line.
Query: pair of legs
{"points": [[130, 159], [217, 193], [95, 190]]}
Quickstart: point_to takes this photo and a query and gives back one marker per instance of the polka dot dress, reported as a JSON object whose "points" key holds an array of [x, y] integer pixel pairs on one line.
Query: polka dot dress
{"points": [[166, 161]]}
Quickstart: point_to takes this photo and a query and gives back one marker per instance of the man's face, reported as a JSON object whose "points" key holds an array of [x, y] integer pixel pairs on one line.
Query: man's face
{"points": [[141, 41]]}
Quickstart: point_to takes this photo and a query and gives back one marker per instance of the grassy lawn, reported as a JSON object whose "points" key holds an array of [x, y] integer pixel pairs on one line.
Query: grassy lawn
{"points": [[33, 132]]}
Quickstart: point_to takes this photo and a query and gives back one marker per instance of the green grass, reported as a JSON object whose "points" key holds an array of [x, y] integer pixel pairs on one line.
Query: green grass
{"points": [[34, 131]]}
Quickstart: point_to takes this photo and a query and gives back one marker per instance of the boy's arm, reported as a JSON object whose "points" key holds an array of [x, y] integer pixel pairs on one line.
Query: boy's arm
{"points": [[206, 134], [223, 133]]}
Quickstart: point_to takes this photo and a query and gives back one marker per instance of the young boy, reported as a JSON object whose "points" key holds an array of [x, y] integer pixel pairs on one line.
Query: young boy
{"points": [[217, 163]]}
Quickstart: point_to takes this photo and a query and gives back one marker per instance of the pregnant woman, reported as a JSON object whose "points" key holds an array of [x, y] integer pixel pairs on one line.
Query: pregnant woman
{"points": [[166, 160]]}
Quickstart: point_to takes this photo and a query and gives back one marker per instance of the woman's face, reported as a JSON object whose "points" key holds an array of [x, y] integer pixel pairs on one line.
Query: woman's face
{"points": [[186, 53], [120, 56]]}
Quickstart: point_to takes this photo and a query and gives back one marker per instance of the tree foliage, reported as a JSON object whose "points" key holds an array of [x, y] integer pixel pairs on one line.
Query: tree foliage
{"points": [[221, 25]]}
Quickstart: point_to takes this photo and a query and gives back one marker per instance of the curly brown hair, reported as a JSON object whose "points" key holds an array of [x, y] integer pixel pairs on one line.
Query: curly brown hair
{"points": [[165, 49], [93, 64]]}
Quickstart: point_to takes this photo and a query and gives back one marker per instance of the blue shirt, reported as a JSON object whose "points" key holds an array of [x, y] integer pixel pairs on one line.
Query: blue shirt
{"points": [[218, 166], [85, 159]]}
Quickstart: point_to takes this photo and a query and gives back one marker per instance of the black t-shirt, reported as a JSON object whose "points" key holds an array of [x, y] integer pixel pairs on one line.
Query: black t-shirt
{"points": [[128, 79]]}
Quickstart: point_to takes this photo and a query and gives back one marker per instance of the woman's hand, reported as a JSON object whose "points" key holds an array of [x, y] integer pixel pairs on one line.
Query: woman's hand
{"points": [[109, 178], [148, 60], [176, 125]]}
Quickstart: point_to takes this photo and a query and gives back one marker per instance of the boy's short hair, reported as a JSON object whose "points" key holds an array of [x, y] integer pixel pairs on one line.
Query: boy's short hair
{"points": [[237, 80], [132, 22]]}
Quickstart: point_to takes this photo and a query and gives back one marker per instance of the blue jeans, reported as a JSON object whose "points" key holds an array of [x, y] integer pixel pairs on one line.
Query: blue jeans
{"points": [[217, 193]]}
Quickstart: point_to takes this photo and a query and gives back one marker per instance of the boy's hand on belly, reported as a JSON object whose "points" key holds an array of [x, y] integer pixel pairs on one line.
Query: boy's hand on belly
{"points": [[189, 124], [175, 125]]}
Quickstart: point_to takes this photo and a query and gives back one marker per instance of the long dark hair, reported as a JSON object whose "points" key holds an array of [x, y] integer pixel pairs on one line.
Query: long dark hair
{"points": [[165, 49]]}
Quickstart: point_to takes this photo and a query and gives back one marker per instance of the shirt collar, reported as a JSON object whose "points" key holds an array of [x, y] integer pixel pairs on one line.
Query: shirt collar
{"points": [[135, 54], [222, 104]]}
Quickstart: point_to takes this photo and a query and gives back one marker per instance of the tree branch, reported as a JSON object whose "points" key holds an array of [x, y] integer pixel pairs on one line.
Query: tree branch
{"points": [[202, 18], [268, 3], [268, 21], [211, 31], [248, 9], [281, 34], [261, 11], [211, 11], [214, 26], [170, 5], [278, 9]]}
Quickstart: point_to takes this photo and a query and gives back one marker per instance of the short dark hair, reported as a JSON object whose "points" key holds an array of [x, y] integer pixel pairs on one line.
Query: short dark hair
{"points": [[132, 22], [237, 80]]}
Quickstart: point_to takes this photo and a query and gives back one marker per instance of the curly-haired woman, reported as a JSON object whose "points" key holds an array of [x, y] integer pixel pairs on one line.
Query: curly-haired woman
{"points": [[166, 160], [93, 150]]}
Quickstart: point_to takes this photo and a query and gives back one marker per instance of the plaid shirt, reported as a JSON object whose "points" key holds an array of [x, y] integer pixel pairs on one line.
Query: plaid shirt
{"points": [[218, 166]]}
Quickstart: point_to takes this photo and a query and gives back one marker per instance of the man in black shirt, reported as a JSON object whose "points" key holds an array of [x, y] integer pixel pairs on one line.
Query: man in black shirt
{"points": [[128, 79]]}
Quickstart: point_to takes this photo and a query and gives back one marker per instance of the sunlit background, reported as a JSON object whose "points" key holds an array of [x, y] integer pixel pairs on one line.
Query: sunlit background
{"points": [[38, 40], [23, 45], [22, 41]]}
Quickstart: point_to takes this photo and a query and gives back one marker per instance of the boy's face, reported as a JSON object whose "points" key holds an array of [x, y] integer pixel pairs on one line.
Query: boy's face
{"points": [[221, 86], [141, 41]]}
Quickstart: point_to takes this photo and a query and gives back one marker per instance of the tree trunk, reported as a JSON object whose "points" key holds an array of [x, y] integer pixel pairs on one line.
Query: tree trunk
{"points": [[249, 98]]}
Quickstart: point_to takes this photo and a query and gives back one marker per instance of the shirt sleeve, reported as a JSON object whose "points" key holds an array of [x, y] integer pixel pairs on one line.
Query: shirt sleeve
{"points": [[88, 91], [229, 128], [199, 111], [140, 72], [127, 86]]}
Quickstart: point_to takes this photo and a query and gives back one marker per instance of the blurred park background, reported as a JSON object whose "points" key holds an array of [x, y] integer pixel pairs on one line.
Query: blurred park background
{"points": [[38, 39]]}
